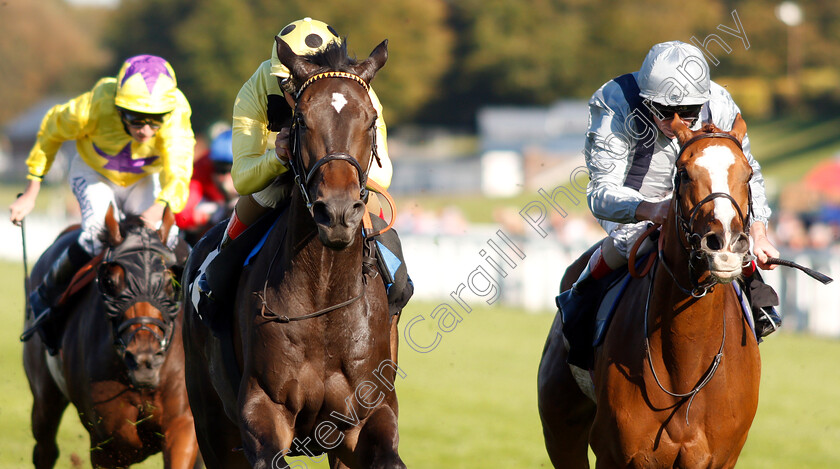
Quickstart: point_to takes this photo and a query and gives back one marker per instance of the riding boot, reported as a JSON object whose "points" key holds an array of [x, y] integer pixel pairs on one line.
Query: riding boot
{"points": [[577, 307], [43, 300], [763, 300], [391, 265], [235, 227]]}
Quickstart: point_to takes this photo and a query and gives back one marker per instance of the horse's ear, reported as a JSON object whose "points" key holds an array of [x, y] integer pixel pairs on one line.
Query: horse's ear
{"points": [[682, 132], [113, 227], [299, 67], [167, 221], [367, 69], [739, 128]]}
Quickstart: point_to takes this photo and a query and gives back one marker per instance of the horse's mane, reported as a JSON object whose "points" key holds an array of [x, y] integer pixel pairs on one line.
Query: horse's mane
{"points": [[334, 57]]}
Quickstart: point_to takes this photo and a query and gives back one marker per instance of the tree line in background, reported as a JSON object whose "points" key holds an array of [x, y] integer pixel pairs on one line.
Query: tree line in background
{"points": [[447, 58]]}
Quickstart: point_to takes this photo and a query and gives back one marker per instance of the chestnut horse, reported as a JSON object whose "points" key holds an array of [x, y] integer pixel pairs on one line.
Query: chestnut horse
{"points": [[121, 362], [312, 369], [676, 378]]}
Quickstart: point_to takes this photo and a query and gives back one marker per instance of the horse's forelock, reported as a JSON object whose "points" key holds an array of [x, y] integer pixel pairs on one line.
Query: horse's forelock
{"points": [[333, 58]]}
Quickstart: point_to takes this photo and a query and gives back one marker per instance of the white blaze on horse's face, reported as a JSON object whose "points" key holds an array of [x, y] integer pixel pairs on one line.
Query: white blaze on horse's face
{"points": [[338, 102], [718, 160]]}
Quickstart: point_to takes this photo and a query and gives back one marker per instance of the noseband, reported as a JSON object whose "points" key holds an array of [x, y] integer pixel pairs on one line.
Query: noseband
{"points": [[304, 177], [143, 285], [684, 227]]}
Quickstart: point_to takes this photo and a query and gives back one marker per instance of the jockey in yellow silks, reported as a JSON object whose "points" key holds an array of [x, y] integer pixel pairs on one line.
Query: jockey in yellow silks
{"points": [[261, 118], [134, 150], [260, 127]]}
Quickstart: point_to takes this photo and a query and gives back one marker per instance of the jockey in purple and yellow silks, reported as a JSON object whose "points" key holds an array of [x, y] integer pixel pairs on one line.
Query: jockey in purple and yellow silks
{"points": [[134, 145]]}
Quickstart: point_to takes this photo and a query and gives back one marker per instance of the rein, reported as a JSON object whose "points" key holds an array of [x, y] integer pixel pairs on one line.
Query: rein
{"points": [[698, 290], [707, 376]]}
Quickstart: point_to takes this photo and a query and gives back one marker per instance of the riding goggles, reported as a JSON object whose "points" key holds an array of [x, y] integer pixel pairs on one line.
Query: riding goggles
{"points": [[686, 112], [138, 121]]}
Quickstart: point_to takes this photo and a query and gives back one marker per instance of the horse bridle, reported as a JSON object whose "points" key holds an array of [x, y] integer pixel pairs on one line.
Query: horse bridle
{"points": [[302, 176], [299, 171], [683, 227], [148, 290]]}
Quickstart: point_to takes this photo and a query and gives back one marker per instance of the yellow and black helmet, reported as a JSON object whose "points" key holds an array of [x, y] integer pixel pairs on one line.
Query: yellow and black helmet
{"points": [[146, 84], [304, 37]]}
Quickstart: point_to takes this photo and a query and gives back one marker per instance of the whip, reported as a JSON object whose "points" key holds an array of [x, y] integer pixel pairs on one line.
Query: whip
{"points": [[825, 279], [25, 263]]}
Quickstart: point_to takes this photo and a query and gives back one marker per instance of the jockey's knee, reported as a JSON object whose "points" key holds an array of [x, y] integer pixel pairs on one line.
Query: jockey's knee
{"points": [[250, 209], [613, 254], [89, 240]]}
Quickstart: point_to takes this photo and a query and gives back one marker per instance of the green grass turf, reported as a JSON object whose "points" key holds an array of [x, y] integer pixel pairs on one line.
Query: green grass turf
{"points": [[471, 402]]}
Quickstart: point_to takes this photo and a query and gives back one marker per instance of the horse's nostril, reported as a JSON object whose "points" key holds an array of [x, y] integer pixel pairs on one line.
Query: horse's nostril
{"points": [[741, 244], [130, 360], [354, 213], [712, 242], [321, 213]]}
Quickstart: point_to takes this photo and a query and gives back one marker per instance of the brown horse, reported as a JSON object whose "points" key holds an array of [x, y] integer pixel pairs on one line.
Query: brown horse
{"points": [[309, 369], [122, 361], [676, 378]]}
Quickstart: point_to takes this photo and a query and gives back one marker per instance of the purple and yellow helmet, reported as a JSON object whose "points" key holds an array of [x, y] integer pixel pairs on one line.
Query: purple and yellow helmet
{"points": [[146, 84]]}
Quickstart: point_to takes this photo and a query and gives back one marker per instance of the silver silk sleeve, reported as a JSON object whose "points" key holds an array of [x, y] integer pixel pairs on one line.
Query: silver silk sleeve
{"points": [[607, 153]]}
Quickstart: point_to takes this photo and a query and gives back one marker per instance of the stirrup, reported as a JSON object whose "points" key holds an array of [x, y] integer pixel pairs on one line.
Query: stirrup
{"points": [[36, 324], [36, 303], [767, 323]]}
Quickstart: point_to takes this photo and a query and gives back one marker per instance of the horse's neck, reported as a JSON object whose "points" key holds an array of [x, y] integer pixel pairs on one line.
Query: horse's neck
{"points": [[325, 271], [679, 319]]}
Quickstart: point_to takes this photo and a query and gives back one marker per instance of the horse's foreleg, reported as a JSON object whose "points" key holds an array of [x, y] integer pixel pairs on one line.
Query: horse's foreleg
{"points": [[395, 337], [181, 447], [46, 417], [217, 436], [48, 405], [566, 413], [267, 429], [376, 443]]}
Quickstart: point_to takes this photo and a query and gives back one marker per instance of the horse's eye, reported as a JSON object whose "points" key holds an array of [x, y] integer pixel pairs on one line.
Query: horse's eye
{"points": [[301, 123], [110, 280], [684, 177]]}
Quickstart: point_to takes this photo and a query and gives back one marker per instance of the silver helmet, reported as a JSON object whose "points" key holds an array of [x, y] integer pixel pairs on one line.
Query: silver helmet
{"points": [[675, 74]]}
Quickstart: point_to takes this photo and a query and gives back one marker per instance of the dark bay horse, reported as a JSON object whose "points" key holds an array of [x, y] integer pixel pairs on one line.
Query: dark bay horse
{"points": [[121, 362], [676, 378], [313, 369]]}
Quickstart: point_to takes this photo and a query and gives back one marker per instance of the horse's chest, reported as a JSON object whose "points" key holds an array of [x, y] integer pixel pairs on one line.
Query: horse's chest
{"points": [[131, 419]]}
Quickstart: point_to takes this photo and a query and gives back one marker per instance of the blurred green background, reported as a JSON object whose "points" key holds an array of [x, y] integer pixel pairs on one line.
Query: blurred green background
{"points": [[447, 58]]}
